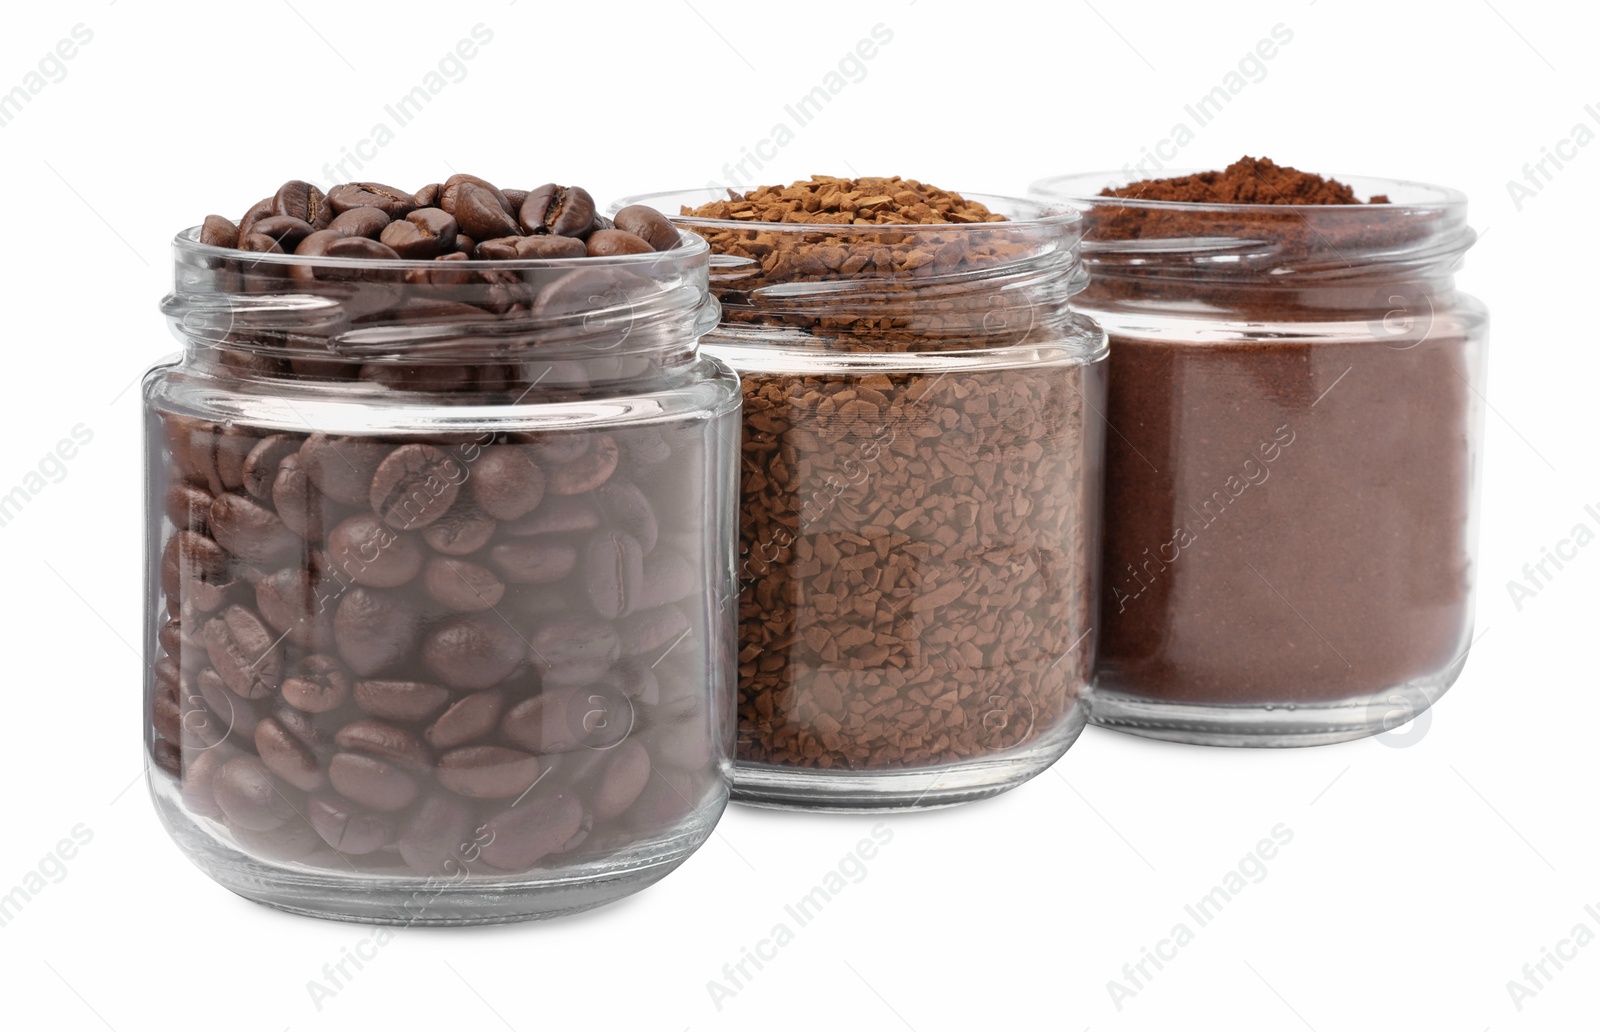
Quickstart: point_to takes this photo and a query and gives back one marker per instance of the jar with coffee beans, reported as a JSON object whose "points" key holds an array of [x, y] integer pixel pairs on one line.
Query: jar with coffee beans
{"points": [[440, 553], [920, 498]]}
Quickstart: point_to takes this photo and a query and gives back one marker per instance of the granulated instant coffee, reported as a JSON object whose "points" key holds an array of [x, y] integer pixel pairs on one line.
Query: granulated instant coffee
{"points": [[920, 487], [440, 540], [1290, 480]]}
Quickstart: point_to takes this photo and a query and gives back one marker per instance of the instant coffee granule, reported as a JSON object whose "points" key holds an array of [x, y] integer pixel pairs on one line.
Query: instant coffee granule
{"points": [[915, 550], [1286, 518]]}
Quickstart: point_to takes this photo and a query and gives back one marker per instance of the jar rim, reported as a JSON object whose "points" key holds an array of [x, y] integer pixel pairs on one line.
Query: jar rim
{"points": [[692, 249], [1035, 211], [1079, 188]]}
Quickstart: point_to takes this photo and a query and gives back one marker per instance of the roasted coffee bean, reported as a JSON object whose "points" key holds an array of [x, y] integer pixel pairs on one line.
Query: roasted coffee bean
{"points": [[188, 506], [625, 777], [303, 201], [488, 771], [461, 531], [316, 246], [374, 629], [627, 509], [473, 652], [668, 577], [362, 222], [415, 486], [482, 212], [359, 249], [386, 742], [637, 681], [234, 716], [506, 482], [408, 701], [543, 246], [303, 726], [342, 467], [428, 196], [469, 718], [287, 230], [288, 601], [257, 211], [296, 499], [654, 629], [251, 531], [319, 684], [260, 243], [366, 550], [649, 225], [261, 463], [528, 832], [219, 232], [613, 572], [245, 653], [194, 568], [396, 204], [646, 447], [228, 451], [347, 828], [372, 782], [555, 449], [425, 233], [557, 516], [534, 560], [249, 796], [563, 210], [295, 840], [462, 586], [586, 472], [609, 242], [550, 722], [450, 195], [199, 770], [576, 645], [287, 757], [438, 836], [165, 714]]}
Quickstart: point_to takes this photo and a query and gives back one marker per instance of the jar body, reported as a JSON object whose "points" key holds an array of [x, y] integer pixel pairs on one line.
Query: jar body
{"points": [[918, 564], [420, 656], [920, 502], [1291, 481], [1297, 567]]}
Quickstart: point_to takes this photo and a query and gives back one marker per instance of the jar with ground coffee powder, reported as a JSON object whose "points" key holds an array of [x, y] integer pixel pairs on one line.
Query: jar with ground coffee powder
{"points": [[921, 488], [1295, 409], [440, 554]]}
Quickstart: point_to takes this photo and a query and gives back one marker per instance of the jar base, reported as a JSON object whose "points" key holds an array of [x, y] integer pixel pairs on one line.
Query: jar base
{"points": [[1275, 726], [922, 788], [434, 901]]}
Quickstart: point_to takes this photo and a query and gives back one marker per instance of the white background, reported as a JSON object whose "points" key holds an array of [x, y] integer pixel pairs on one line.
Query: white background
{"points": [[1426, 867]]}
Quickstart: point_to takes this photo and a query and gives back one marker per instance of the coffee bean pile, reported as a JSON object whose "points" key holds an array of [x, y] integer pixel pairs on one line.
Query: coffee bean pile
{"points": [[461, 219], [916, 544], [436, 653]]}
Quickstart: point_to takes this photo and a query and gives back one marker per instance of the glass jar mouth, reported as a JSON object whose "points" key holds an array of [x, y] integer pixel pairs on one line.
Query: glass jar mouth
{"points": [[1423, 227], [1022, 214]]}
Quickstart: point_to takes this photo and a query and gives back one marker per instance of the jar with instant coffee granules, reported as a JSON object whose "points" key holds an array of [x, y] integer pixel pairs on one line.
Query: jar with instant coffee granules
{"points": [[441, 542], [921, 487], [1291, 481]]}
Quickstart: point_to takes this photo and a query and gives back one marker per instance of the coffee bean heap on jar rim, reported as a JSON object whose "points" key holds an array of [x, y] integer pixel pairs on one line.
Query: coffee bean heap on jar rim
{"points": [[461, 219], [899, 624]]}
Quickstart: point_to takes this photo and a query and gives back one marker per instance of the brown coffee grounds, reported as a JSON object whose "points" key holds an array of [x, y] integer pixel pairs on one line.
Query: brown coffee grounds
{"points": [[1246, 181], [870, 200], [916, 552]]}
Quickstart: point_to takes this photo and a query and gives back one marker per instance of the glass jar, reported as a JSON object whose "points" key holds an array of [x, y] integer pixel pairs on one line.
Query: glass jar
{"points": [[1291, 480], [920, 502], [440, 559]]}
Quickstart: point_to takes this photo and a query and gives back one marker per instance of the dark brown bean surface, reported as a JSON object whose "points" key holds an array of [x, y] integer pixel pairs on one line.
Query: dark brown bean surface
{"points": [[469, 718], [488, 771], [372, 782], [415, 485], [461, 585], [406, 701], [366, 550]]}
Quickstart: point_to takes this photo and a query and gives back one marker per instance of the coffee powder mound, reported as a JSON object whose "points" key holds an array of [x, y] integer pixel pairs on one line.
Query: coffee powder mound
{"points": [[1246, 181], [917, 557]]}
